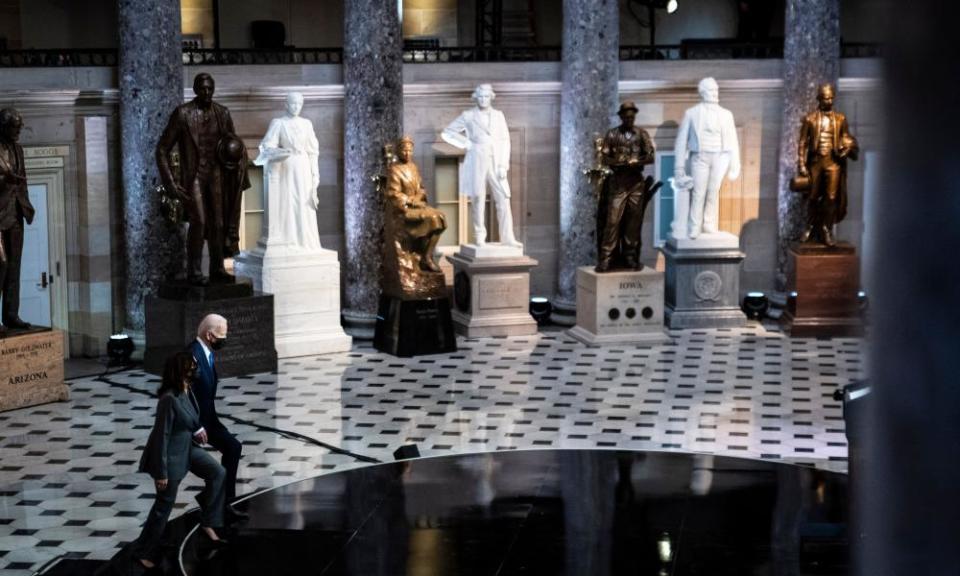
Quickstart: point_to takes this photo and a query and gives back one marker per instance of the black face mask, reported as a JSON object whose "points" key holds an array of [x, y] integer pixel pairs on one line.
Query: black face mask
{"points": [[218, 343]]}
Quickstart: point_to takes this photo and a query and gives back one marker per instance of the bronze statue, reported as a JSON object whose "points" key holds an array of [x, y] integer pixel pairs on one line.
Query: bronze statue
{"points": [[212, 177], [411, 228], [825, 144], [624, 192], [15, 208]]}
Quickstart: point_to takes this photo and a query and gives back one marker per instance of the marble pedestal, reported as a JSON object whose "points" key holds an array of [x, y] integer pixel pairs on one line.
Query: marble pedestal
{"points": [[306, 298], [703, 282], [619, 307], [31, 368], [822, 285], [491, 291]]}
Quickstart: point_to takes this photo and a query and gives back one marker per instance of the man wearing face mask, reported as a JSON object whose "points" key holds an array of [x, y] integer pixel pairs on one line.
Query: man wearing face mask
{"points": [[211, 336]]}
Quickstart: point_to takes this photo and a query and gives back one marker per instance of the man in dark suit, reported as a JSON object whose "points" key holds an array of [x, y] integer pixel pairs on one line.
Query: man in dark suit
{"points": [[211, 336], [15, 208], [213, 175]]}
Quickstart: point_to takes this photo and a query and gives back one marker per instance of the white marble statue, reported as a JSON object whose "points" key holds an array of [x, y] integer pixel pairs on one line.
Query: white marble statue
{"points": [[291, 175], [708, 135], [482, 132]]}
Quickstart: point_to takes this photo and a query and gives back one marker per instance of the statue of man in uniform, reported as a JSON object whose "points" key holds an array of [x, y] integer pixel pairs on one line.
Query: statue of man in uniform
{"points": [[213, 175], [825, 144], [15, 208]]}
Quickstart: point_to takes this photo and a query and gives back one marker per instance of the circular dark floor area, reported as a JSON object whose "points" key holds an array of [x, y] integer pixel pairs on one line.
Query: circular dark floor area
{"points": [[571, 512]]}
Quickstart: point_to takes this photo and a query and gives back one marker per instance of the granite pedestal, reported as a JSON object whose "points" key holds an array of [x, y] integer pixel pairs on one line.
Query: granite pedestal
{"points": [[408, 328], [31, 368], [172, 324], [491, 292], [619, 307], [306, 297], [703, 282], [822, 285]]}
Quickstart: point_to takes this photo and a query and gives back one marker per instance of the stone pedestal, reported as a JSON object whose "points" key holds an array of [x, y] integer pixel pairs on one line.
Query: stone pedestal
{"points": [[619, 307], [822, 285], [172, 324], [409, 328], [306, 298], [491, 291], [703, 282], [31, 369]]}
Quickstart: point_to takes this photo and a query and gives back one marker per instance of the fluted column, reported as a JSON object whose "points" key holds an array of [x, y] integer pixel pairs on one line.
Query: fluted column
{"points": [[811, 57], [590, 74], [373, 115], [151, 85]]}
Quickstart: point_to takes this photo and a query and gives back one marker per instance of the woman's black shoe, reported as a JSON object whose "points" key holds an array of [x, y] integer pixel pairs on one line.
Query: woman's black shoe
{"points": [[205, 540]]}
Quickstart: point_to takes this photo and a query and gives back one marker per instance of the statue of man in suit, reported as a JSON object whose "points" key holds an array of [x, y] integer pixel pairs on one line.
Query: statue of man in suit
{"points": [[708, 135], [15, 208], [825, 144], [482, 132], [213, 175]]}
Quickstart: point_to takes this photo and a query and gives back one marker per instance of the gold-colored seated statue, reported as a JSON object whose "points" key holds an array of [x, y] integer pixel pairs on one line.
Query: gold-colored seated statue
{"points": [[411, 229]]}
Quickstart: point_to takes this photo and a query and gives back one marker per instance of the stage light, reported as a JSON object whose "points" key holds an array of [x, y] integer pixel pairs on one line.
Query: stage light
{"points": [[672, 6], [863, 302], [120, 348], [406, 452], [540, 309], [755, 305]]}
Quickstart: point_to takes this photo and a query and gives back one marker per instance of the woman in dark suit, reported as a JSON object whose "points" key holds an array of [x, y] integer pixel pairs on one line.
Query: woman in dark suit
{"points": [[170, 452]]}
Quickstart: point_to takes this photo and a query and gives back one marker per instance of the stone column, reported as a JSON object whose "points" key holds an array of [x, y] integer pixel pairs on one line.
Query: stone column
{"points": [[151, 86], [588, 100], [373, 115], [811, 56]]}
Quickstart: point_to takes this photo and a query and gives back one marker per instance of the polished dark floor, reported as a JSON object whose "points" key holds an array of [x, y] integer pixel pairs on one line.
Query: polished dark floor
{"points": [[572, 512]]}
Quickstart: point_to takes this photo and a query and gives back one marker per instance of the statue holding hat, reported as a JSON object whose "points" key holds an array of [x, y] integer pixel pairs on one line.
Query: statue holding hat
{"points": [[624, 192], [212, 176]]}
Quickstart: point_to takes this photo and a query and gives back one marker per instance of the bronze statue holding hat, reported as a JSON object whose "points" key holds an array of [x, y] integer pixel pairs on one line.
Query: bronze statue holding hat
{"points": [[624, 192], [212, 177]]}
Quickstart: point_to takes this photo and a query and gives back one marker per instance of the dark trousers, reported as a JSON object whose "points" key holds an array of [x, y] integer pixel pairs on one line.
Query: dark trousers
{"points": [[211, 500], [10, 271], [230, 448], [624, 216], [824, 192], [205, 214]]}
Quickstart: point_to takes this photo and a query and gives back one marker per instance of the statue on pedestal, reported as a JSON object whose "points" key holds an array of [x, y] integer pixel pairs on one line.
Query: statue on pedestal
{"points": [[824, 147], [482, 132], [708, 135], [289, 154], [412, 229], [624, 192], [211, 179], [15, 209]]}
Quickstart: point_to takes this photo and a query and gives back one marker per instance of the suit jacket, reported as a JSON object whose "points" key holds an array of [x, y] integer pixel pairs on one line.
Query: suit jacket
{"points": [[688, 135], [489, 147], [167, 454], [15, 203], [809, 143], [205, 388]]}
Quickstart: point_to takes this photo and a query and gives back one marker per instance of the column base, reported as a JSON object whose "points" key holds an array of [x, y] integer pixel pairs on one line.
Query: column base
{"points": [[563, 312], [358, 324]]}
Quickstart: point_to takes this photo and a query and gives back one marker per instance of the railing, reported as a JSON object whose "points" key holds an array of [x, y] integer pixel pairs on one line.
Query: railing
{"points": [[689, 50]]}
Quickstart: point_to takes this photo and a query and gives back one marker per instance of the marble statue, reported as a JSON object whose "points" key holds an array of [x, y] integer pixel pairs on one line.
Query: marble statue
{"points": [[289, 154], [15, 210], [482, 132], [824, 147], [708, 139], [211, 179], [412, 229], [624, 192]]}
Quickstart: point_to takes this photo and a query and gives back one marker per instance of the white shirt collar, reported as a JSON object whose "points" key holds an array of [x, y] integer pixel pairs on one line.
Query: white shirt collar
{"points": [[206, 349]]}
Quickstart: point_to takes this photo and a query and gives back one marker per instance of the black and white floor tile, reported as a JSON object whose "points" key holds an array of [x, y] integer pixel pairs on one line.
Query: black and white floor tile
{"points": [[68, 480]]}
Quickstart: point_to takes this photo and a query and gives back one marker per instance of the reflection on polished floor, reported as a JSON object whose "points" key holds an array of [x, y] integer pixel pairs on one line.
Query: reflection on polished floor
{"points": [[67, 471]]}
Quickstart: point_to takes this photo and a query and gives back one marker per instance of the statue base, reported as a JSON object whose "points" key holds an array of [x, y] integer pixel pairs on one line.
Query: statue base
{"points": [[822, 291], [306, 298], [183, 290], [31, 368], [171, 324], [408, 328], [619, 307], [703, 282], [491, 295]]}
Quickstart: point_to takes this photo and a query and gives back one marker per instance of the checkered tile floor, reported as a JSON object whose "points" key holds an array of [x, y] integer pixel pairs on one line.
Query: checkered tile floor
{"points": [[68, 483]]}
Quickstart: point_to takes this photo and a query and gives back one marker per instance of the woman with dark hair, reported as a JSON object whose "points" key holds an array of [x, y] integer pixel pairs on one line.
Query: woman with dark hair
{"points": [[171, 452]]}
